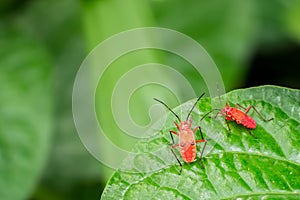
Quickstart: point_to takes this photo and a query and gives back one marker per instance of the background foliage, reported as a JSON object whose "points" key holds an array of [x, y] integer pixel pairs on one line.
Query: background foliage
{"points": [[42, 44]]}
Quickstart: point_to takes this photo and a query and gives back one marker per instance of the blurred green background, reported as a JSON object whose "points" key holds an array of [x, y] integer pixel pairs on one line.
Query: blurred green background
{"points": [[43, 42]]}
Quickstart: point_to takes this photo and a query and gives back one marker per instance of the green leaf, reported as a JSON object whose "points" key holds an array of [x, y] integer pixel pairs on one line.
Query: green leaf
{"points": [[226, 29], [235, 166], [291, 17], [25, 112], [63, 38]]}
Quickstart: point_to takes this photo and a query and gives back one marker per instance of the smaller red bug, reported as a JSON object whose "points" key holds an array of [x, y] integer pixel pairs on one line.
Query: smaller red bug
{"points": [[187, 142], [239, 116]]}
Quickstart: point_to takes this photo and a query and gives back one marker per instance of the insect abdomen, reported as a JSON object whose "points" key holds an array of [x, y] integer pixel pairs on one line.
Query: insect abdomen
{"points": [[249, 122], [242, 118], [188, 154]]}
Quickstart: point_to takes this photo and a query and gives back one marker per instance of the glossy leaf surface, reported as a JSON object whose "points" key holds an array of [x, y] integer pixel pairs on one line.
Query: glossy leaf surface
{"points": [[235, 166]]}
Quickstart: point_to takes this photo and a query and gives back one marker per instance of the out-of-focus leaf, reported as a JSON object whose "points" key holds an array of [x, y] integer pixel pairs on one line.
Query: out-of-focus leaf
{"points": [[292, 16], [98, 28], [25, 112], [270, 32], [236, 167], [226, 29], [62, 34]]}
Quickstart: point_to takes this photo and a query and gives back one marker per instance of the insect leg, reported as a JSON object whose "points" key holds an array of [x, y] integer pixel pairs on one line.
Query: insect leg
{"points": [[201, 155], [174, 146], [251, 134], [211, 112], [216, 115], [177, 160], [172, 136], [191, 122], [174, 132], [195, 129], [205, 141], [229, 131], [177, 126], [260, 116], [238, 105]]}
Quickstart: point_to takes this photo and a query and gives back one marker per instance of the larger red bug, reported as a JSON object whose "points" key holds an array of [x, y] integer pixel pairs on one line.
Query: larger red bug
{"points": [[239, 116], [187, 142]]}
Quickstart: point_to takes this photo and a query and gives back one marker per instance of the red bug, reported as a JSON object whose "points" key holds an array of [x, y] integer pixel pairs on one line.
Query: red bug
{"points": [[239, 116], [187, 142]]}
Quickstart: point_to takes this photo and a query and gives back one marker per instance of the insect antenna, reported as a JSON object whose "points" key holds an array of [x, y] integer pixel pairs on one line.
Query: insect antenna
{"points": [[168, 108], [218, 109], [194, 106]]}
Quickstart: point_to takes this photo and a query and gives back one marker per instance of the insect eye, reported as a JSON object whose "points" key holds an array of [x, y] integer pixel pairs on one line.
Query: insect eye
{"points": [[192, 142], [182, 144]]}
